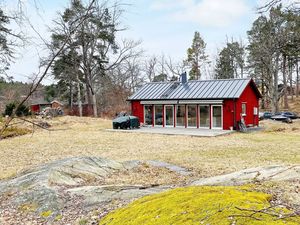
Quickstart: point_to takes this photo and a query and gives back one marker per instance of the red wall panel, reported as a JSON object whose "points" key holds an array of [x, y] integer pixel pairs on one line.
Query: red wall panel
{"points": [[137, 109], [228, 114], [251, 100]]}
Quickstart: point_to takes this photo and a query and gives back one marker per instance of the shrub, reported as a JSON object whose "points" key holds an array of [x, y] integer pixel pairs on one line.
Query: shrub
{"points": [[22, 110], [9, 109]]}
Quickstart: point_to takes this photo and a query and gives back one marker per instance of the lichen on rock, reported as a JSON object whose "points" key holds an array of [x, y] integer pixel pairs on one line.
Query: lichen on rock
{"points": [[203, 205]]}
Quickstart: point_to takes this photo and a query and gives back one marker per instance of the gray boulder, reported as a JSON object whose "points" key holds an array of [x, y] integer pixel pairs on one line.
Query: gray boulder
{"points": [[269, 173]]}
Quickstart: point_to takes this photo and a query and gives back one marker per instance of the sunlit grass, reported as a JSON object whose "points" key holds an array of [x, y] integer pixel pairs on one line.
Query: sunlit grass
{"points": [[72, 136]]}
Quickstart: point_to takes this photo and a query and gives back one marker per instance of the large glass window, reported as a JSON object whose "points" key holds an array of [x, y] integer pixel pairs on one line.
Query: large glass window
{"points": [[217, 116], [192, 115], [204, 116], [169, 115], [180, 115], [158, 115], [148, 114]]}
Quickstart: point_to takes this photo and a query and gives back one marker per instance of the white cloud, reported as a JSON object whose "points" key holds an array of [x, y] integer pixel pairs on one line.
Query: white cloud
{"points": [[208, 13], [171, 4]]}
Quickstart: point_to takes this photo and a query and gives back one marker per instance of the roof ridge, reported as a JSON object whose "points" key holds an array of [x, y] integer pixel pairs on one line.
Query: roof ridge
{"points": [[189, 81]]}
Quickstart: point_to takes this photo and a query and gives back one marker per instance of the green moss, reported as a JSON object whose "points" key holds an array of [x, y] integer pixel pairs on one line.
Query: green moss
{"points": [[46, 213], [83, 221], [201, 205], [28, 207], [58, 218]]}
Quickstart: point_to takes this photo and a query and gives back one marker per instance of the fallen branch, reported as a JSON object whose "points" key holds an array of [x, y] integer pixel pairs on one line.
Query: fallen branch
{"points": [[267, 211]]}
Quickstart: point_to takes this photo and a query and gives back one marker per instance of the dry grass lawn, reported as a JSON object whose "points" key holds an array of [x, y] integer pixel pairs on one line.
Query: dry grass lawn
{"points": [[72, 136]]}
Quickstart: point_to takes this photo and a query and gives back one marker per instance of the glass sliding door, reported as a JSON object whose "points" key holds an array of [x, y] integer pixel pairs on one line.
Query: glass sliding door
{"points": [[192, 115], [217, 116], [180, 115], [169, 115], [148, 114], [158, 110], [204, 116]]}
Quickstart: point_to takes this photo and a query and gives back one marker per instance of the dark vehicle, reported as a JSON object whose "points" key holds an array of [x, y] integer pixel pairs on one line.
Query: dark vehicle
{"points": [[125, 122], [265, 115], [282, 118], [290, 115]]}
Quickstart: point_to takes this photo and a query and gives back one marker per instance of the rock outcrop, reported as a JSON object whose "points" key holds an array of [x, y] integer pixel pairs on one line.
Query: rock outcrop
{"points": [[72, 187], [268, 173]]}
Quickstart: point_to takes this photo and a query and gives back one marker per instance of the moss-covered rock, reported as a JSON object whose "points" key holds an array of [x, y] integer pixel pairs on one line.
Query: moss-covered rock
{"points": [[203, 205]]}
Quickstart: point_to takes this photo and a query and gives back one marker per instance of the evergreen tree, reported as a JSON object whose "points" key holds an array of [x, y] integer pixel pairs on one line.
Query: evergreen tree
{"points": [[196, 56], [5, 49], [230, 63]]}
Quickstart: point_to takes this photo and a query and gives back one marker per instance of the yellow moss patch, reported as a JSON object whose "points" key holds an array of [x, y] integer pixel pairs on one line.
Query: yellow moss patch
{"points": [[28, 207], [58, 217], [201, 205], [46, 213]]}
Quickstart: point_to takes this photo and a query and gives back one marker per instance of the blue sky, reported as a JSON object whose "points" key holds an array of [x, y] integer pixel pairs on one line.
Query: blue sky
{"points": [[164, 26]]}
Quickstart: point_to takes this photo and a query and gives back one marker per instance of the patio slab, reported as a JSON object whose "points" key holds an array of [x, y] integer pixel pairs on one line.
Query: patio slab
{"points": [[177, 131]]}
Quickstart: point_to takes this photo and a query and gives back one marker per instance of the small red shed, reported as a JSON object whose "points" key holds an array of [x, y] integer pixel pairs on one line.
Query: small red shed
{"points": [[38, 105], [208, 104]]}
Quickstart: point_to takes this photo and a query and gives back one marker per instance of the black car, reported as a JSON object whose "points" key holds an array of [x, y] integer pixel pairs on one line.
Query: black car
{"points": [[125, 122], [265, 115], [290, 115]]}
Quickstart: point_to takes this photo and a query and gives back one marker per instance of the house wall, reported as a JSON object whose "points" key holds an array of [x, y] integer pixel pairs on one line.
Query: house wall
{"points": [[56, 105], [137, 109], [228, 114], [250, 98], [35, 108]]}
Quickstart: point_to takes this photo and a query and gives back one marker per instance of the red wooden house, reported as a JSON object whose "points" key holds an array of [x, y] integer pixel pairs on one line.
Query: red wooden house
{"points": [[209, 104]]}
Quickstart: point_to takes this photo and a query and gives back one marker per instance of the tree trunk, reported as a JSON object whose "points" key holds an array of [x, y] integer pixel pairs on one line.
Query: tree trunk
{"points": [[88, 92], [275, 106], [297, 79], [291, 91], [94, 104], [71, 96], [79, 97], [263, 102], [285, 96]]}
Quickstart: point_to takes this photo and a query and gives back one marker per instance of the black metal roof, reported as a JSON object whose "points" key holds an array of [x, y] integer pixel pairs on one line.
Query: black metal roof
{"points": [[199, 89]]}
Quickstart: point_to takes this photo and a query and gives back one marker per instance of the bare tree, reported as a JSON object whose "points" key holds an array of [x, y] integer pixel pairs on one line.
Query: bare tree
{"points": [[46, 65]]}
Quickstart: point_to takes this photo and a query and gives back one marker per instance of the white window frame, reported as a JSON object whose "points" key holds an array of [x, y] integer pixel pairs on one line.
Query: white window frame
{"points": [[209, 117], [187, 116], [212, 118], [255, 111], [145, 115], [244, 113], [165, 115], [184, 116], [156, 125]]}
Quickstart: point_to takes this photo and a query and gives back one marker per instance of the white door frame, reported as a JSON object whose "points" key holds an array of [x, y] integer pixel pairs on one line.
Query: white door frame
{"points": [[212, 118], [187, 116], [154, 108], [165, 115], [181, 126], [151, 115], [209, 117]]}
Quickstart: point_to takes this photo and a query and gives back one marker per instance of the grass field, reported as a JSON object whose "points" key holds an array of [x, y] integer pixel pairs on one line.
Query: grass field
{"points": [[71, 136]]}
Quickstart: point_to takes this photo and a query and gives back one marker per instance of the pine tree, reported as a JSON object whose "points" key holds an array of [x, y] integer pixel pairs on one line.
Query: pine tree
{"points": [[196, 56], [230, 63]]}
